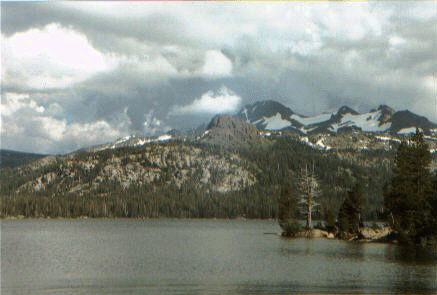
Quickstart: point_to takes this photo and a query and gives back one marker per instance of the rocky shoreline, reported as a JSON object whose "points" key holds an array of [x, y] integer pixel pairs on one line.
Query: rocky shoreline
{"points": [[366, 234]]}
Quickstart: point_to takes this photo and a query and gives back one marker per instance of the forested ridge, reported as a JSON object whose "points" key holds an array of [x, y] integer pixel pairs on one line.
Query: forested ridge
{"points": [[189, 179]]}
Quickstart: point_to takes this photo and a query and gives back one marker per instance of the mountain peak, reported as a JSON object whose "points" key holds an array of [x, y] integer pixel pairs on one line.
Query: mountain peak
{"points": [[267, 108], [384, 107], [346, 110], [406, 119], [232, 131], [224, 121]]}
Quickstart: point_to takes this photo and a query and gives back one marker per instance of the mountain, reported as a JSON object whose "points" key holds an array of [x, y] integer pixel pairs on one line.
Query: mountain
{"points": [[12, 159], [231, 169], [266, 114], [231, 132], [407, 122], [271, 115], [134, 141]]}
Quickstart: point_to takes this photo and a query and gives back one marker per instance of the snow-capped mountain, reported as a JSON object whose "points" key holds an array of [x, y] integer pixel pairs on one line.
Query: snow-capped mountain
{"points": [[130, 141], [272, 115], [268, 115]]}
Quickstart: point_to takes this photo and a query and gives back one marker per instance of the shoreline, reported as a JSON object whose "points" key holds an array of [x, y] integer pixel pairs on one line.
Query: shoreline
{"points": [[21, 217], [383, 235]]}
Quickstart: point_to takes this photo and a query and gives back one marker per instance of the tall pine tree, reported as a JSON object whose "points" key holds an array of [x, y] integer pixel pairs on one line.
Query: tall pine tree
{"points": [[287, 212], [408, 197], [349, 215]]}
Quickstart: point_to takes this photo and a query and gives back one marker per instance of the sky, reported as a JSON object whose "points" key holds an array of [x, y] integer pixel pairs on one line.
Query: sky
{"points": [[76, 74]]}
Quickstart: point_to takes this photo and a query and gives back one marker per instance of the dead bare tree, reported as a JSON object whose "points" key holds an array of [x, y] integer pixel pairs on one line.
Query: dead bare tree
{"points": [[308, 192]]}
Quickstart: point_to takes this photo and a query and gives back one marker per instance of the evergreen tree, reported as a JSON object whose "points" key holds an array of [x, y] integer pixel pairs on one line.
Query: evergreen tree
{"points": [[408, 198], [287, 212], [349, 216]]}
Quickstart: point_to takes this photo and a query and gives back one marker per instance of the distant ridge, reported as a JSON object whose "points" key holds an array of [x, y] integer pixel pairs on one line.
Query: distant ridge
{"points": [[272, 115], [253, 122], [12, 159]]}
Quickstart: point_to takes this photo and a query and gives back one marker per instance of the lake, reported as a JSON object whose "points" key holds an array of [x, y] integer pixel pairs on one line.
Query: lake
{"points": [[178, 256]]}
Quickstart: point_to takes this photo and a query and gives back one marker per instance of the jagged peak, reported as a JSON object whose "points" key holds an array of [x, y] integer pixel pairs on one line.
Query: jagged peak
{"points": [[346, 110], [384, 107], [265, 108]]}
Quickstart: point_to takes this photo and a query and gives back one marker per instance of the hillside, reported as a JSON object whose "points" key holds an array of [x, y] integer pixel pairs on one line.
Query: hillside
{"points": [[12, 159], [177, 179]]}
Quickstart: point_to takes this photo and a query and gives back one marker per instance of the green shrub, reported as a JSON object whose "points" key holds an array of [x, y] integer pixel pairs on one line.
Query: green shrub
{"points": [[291, 228]]}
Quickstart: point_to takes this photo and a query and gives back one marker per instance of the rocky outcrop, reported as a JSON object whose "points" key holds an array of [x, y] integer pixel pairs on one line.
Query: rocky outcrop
{"points": [[232, 132]]}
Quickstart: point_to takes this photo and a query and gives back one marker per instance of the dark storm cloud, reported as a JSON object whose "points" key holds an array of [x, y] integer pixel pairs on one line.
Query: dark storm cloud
{"points": [[159, 28]]}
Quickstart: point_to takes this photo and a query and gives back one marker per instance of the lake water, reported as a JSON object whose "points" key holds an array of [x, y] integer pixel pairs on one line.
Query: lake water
{"points": [[171, 256]]}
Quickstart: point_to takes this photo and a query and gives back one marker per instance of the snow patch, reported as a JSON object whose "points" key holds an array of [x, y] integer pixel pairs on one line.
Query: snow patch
{"points": [[164, 137], [245, 113], [319, 144], [408, 130], [368, 122], [124, 139], [205, 133], [275, 122], [311, 120], [429, 137], [386, 138]]}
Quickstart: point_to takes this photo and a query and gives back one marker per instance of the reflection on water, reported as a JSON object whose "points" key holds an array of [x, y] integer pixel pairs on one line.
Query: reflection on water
{"points": [[415, 266], [411, 255], [199, 257]]}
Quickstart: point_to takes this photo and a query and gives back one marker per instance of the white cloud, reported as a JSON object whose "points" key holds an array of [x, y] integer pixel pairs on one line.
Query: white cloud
{"points": [[222, 101], [51, 57], [216, 64], [28, 126], [153, 125], [16, 101]]}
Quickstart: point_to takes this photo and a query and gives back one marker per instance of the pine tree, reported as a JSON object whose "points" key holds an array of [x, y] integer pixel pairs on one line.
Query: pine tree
{"points": [[408, 197], [349, 216], [287, 212]]}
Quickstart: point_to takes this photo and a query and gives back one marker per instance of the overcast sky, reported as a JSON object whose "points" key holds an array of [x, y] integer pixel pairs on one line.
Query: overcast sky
{"points": [[76, 74]]}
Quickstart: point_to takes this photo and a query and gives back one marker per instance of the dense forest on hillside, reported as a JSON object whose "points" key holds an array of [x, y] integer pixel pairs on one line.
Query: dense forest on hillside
{"points": [[273, 164]]}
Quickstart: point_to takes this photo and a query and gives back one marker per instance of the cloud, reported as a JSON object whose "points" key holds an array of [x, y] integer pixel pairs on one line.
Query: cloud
{"points": [[137, 67], [29, 132], [216, 64], [153, 125], [211, 103], [28, 126], [51, 57]]}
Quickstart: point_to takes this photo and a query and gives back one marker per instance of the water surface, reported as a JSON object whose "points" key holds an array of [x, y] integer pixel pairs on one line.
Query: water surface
{"points": [[173, 256]]}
